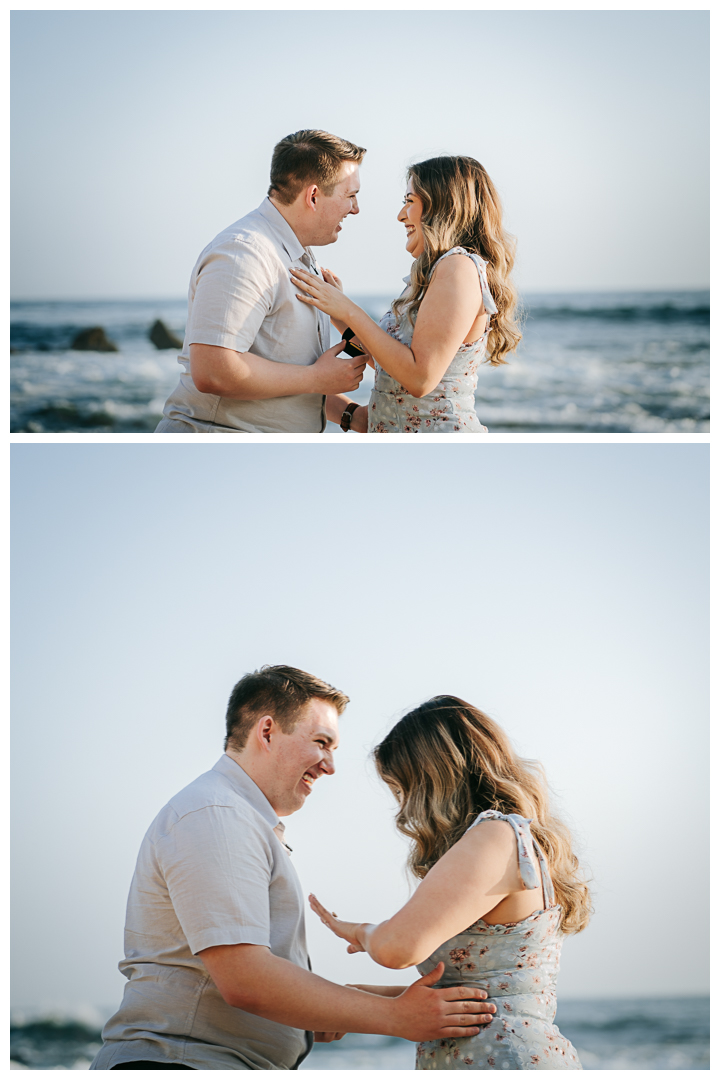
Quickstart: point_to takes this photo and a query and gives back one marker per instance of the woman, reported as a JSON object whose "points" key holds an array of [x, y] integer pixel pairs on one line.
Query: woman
{"points": [[459, 304], [499, 885]]}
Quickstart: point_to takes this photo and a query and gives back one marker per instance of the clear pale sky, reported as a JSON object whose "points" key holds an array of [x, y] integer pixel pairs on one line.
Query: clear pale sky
{"points": [[562, 588], [139, 135]]}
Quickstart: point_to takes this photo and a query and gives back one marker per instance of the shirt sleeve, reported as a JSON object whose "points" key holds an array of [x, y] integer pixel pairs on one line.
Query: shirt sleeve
{"points": [[217, 866], [234, 292]]}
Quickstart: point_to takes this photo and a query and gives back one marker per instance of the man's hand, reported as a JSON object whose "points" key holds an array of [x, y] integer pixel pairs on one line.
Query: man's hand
{"points": [[335, 374], [422, 1014], [328, 1036]]}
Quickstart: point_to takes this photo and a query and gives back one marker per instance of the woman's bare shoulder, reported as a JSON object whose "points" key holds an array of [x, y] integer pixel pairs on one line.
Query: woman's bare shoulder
{"points": [[456, 271], [493, 844], [492, 831], [456, 264]]}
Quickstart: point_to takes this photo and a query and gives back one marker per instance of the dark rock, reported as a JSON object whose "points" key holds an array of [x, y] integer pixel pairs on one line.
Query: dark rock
{"points": [[162, 338], [94, 339]]}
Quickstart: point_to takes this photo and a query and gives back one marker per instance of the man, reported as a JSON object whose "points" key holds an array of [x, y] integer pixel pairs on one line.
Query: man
{"points": [[219, 976], [255, 358]]}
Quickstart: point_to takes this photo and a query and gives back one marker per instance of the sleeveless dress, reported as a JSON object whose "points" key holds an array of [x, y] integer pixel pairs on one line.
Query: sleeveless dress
{"points": [[517, 964], [451, 405]]}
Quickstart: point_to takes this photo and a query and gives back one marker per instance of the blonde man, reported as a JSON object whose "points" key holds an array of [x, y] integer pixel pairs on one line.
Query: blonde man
{"points": [[256, 359]]}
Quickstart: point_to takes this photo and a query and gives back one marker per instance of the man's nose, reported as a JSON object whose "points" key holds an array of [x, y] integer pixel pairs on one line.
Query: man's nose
{"points": [[327, 763], [355, 207]]}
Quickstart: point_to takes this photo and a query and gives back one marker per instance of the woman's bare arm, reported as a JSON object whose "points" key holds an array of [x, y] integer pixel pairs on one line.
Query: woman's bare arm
{"points": [[382, 991], [464, 885], [448, 310]]}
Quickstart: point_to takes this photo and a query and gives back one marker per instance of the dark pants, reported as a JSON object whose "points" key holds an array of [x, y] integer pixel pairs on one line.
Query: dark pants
{"points": [[150, 1065]]}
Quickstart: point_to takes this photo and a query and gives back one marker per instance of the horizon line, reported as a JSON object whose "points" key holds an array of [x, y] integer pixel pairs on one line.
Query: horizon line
{"points": [[162, 298]]}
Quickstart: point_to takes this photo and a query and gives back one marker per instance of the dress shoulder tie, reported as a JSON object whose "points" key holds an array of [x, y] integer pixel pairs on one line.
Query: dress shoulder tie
{"points": [[481, 266], [526, 843]]}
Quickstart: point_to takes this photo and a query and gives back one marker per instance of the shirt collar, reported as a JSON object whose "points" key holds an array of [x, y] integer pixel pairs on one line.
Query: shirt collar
{"points": [[280, 226], [247, 788]]}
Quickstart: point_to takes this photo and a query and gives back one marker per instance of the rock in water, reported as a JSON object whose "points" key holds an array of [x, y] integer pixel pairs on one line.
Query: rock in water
{"points": [[162, 338], [94, 339]]}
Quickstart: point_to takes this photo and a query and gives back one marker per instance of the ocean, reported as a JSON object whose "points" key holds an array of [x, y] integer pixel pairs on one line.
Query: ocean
{"points": [[589, 362], [672, 1033]]}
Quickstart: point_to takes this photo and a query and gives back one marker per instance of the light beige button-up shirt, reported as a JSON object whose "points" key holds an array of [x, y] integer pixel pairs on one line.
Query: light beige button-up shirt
{"points": [[213, 869], [241, 298]]}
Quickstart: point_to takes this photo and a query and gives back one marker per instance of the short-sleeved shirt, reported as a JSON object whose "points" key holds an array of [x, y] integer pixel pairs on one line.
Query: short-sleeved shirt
{"points": [[212, 870], [241, 298]]}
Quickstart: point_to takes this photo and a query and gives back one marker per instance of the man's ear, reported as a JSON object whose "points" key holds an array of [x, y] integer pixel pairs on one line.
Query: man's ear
{"points": [[311, 194], [265, 731]]}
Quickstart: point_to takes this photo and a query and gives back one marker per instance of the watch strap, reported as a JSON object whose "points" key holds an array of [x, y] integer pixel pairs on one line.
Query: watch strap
{"points": [[346, 418]]}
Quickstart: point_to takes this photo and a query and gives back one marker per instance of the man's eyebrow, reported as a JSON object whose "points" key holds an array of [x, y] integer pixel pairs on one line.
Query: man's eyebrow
{"points": [[327, 735]]}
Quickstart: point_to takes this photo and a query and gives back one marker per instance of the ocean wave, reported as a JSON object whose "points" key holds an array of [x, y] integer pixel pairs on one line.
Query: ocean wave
{"points": [[660, 313], [659, 1027], [53, 1042], [650, 1034], [617, 362]]}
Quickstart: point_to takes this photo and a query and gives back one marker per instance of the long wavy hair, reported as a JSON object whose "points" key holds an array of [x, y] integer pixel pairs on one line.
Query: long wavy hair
{"points": [[461, 208], [447, 762]]}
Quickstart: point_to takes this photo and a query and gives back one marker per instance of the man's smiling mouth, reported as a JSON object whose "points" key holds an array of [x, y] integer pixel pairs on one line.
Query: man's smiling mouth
{"points": [[310, 780]]}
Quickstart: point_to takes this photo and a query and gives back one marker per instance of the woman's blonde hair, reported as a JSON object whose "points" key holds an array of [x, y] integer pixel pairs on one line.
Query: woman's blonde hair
{"points": [[447, 761], [461, 208]]}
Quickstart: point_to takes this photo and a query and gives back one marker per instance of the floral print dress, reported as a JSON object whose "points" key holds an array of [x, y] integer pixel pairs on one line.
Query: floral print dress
{"points": [[517, 964], [451, 405]]}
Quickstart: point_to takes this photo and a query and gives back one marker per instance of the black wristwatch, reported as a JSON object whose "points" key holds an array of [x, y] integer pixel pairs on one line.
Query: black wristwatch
{"points": [[346, 418]]}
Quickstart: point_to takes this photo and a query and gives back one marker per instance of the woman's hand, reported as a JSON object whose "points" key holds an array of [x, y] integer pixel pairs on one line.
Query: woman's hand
{"points": [[319, 293], [332, 279], [346, 930]]}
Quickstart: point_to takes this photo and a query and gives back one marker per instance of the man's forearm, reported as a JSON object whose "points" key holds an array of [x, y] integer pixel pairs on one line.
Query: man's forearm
{"points": [[247, 377], [270, 986], [251, 978]]}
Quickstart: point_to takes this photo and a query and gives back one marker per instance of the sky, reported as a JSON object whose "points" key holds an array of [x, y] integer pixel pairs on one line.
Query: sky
{"points": [[137, 136], [561, 588]]}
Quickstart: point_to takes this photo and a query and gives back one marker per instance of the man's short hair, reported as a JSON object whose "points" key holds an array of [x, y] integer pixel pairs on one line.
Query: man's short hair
{"points": [[309, 157], [280, 691]]}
